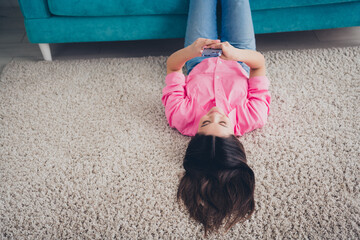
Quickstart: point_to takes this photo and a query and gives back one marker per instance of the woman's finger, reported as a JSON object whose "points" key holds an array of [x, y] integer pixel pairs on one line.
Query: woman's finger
{"points": [[215, 46], [223, 57], [211, 41]]}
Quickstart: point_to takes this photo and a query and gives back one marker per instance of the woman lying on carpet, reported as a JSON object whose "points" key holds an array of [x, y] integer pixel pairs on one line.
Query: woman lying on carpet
{"points": [[214, 103]]}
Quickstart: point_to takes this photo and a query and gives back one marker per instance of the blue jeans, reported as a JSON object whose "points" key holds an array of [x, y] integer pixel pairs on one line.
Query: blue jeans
{"points": [[236, 26]]}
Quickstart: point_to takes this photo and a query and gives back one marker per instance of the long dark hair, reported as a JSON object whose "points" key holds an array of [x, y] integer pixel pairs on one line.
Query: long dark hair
{"points": [[218, 184]]}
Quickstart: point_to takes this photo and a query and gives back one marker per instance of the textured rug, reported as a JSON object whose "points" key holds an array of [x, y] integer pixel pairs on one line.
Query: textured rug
{"points": [[86, 152]]}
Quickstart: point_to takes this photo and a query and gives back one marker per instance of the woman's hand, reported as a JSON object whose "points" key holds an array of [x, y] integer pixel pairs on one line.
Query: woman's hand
{"points": [[197, 47], [177, 60], [228, 51]]}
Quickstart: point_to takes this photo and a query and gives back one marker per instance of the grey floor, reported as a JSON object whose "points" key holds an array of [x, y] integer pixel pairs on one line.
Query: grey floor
{"points": [[15, 45]]}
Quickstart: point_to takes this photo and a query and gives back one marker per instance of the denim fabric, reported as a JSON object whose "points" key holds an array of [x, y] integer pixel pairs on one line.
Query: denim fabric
{"points": [[236, 25]]}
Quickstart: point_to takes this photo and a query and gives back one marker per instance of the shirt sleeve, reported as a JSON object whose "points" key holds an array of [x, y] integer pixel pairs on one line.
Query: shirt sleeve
{"points": [[256, 108], [178, 107]]}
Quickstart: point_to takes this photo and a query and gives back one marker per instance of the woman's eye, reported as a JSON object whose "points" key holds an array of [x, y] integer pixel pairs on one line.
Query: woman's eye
{"points": [[222, 123], [205, 122]]}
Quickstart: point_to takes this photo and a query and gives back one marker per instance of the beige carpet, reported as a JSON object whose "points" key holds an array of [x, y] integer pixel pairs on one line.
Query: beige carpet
{"points": [[86, 152]]}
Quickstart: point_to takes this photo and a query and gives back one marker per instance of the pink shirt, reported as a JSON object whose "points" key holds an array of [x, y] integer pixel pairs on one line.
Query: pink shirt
{"points": [[221, 83]]}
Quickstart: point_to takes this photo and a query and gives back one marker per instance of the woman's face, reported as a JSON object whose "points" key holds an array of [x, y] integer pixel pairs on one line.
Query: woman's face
{"points": [[216, 123]]}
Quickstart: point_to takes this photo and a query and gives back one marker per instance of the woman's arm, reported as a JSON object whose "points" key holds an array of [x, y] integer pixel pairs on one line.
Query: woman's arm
{"points": [[253, 59], [254, 112], [177, 60], [179, 109]]}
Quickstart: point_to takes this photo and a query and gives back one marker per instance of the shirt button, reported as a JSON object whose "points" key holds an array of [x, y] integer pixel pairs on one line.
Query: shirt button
{"points": [[217, 77], [220, 61]]}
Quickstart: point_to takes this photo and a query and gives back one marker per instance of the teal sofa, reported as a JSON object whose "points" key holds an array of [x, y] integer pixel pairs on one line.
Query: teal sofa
{"points": [[64, 21]]}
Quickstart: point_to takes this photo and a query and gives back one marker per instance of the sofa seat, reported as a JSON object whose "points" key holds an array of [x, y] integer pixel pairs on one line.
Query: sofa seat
{"points": [[86, 8], [63, 21], [257, 5]]}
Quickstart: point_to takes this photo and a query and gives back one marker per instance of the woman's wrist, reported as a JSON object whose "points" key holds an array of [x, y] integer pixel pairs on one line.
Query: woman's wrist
{"points": [[191, 53], [252, 58]]}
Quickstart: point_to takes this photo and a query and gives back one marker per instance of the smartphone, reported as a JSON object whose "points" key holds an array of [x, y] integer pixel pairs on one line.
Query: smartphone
{"points": [[209, 52]]}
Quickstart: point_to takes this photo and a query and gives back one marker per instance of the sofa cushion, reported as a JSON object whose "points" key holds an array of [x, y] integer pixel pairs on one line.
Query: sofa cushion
{"points": [[262, 5], [92, 8]]}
